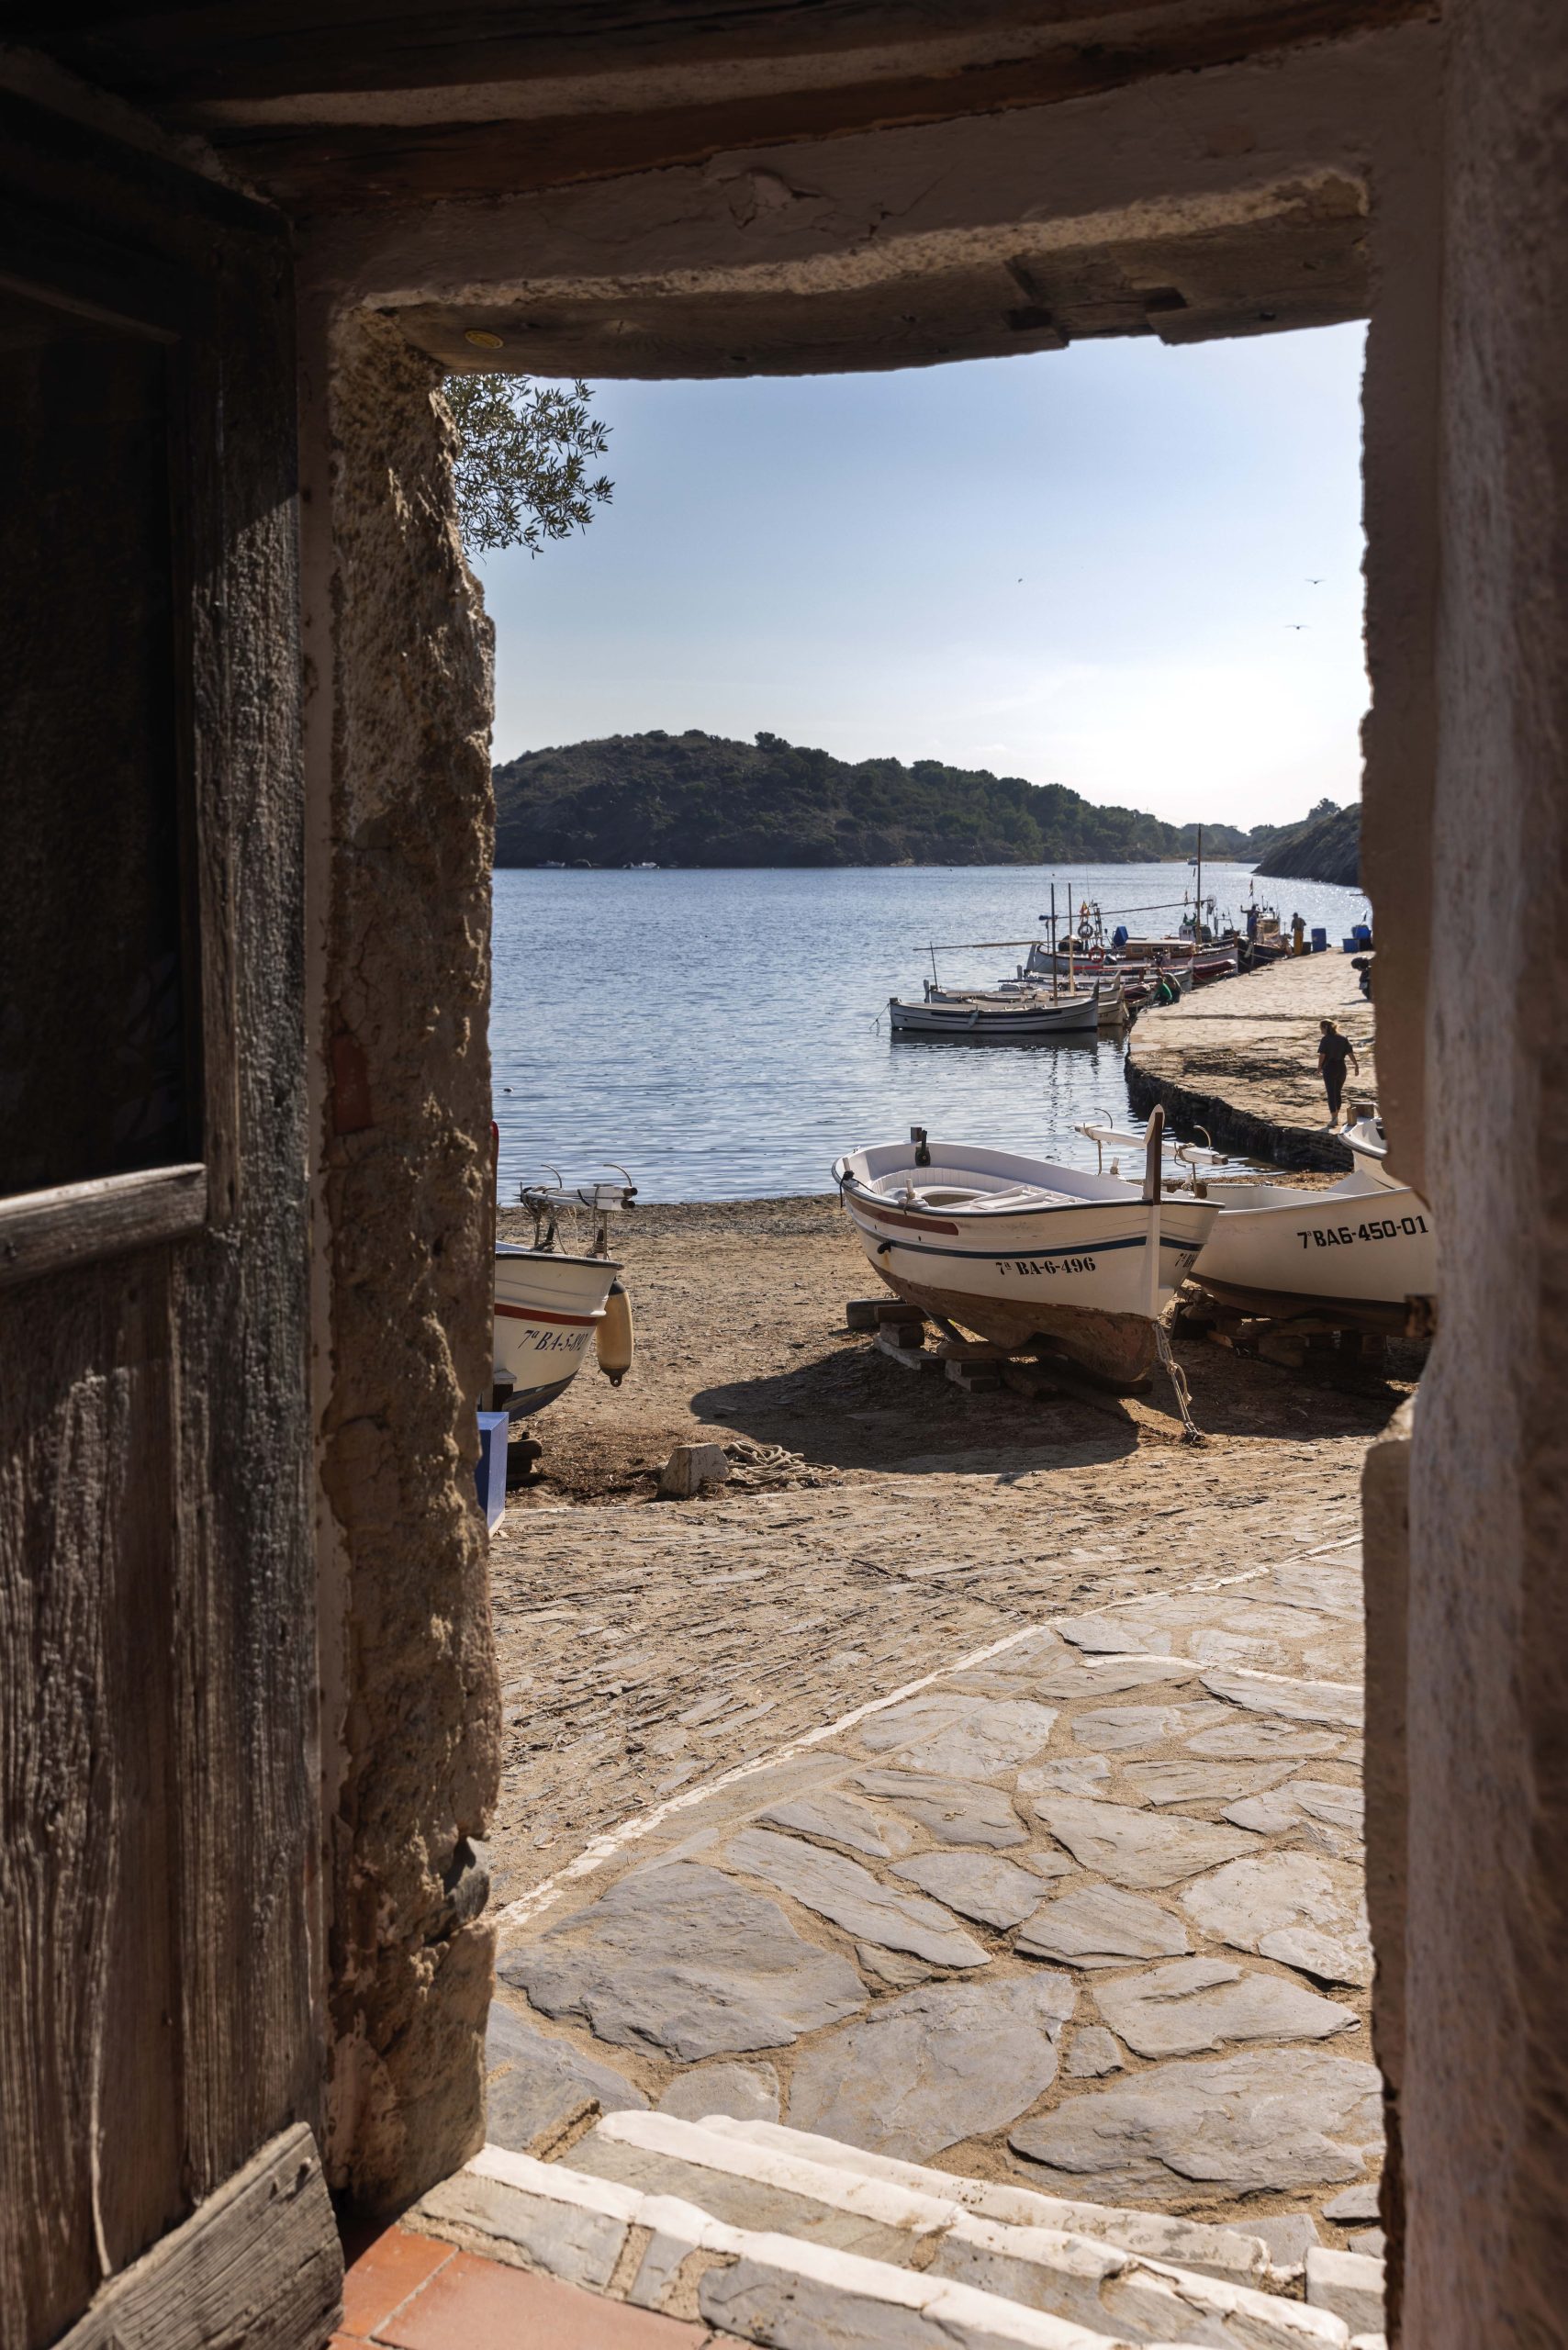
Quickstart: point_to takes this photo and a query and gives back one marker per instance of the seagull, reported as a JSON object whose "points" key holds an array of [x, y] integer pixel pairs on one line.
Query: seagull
{"points": [[1313, 583], [1298, 625]]}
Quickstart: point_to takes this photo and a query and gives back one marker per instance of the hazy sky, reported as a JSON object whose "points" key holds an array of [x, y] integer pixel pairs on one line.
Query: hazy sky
{"points": [[1081, 567]]}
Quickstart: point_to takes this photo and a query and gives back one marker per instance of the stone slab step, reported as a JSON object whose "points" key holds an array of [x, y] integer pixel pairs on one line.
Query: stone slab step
{"points": [[657, 2252], [1349, 2283], [771, 2185], [1207, 2250]]}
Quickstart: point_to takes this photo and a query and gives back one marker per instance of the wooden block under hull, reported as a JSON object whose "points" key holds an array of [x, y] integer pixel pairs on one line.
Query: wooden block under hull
{"points": [[907, 1358], [1373, 1314]]}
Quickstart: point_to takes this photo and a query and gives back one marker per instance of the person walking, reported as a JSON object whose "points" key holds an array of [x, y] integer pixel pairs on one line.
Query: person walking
{"points": [[1333, 1052]]}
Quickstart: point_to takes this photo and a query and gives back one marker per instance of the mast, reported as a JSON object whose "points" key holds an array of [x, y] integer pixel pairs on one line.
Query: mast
{"points": [[1054, 983], [1198, 932]]}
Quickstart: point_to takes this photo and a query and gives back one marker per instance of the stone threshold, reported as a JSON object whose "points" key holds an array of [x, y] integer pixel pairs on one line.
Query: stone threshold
{"points": [[623, 2219]]}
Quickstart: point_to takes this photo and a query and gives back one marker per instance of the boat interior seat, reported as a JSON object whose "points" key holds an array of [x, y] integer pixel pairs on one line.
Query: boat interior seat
{"points": [[1010, 1198]]}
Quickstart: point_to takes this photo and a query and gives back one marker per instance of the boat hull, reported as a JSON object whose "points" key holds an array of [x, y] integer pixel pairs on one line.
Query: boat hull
{"points": [[1073, 1278], [548, 1307], [1362, 1242], [990, 1023]]}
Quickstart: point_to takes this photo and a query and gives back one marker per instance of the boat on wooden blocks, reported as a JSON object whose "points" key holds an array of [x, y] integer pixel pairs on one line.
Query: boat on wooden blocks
{"points": [[1362, 1249], [1035, 1257]]}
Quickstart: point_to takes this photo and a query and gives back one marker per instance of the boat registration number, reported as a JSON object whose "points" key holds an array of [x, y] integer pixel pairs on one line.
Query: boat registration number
{"points": [[1051, 1267], [560, 1342], [1383, 1228]]}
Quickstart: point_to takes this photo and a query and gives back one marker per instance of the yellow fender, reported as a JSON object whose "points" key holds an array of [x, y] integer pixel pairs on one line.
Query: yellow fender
{"points": [[613, 1335]]}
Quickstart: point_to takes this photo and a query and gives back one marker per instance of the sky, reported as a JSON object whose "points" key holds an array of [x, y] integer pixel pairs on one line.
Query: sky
{"points": [[1092, 566]]}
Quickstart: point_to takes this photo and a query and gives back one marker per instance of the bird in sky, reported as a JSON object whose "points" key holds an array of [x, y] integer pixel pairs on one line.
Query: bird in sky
{"points": [[1313, 583], [1298, 625]]}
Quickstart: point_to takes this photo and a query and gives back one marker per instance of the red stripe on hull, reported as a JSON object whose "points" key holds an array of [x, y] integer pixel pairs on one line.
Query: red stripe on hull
{"points": [[538, 1314], [902, 1215]]}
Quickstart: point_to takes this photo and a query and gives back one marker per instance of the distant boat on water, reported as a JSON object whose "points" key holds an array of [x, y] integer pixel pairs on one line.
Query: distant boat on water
{"points": [[994, 1015]]}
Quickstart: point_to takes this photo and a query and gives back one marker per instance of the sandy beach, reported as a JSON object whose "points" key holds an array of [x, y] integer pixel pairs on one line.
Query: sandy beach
{"points": [[648, 1646]]}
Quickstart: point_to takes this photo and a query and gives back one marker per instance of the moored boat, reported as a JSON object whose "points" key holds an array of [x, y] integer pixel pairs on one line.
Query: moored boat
{"points": [[1032, 1256], [994, 1015]]}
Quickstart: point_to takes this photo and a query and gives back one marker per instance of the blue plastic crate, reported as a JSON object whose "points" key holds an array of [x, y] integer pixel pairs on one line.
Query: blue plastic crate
{"points": [[491, 1474]]}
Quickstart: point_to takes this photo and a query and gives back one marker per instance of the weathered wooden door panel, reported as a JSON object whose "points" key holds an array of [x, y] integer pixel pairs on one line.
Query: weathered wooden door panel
{"points": [[89, 1990], [160, 2013]]}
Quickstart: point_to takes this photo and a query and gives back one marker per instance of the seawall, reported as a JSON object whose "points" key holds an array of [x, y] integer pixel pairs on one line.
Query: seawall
{"points": [[1239, 1058]]}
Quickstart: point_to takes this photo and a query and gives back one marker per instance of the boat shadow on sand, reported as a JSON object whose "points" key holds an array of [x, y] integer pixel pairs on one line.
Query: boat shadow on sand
{"points": [[852, 1408]]}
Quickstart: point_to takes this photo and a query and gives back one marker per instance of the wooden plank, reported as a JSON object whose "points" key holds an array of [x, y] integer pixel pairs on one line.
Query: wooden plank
{"points": [[251, 49], [77, 1223], [907, 1357], [259, 2263], [245, 1774]]}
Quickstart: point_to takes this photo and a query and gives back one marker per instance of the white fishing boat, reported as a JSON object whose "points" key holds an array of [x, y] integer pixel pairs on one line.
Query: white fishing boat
{"points": [[994, 1015], [552, 1300], [1362, 1246], [1032, 1256]]}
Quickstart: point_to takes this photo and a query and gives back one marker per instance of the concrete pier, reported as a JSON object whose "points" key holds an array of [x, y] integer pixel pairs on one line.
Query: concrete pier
{"points": [[1239, 1058]]}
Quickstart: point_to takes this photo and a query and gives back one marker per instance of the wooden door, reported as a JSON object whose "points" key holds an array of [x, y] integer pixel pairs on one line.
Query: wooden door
{"points": [[160, 2030]]}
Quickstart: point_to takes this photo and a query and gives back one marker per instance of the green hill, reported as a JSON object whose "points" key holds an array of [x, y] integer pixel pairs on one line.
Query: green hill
{"points": [[1327, 848], [697, 799]]}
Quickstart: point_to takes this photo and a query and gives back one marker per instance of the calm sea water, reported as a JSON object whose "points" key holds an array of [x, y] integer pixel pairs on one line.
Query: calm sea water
{"points": [[718, 1032]]}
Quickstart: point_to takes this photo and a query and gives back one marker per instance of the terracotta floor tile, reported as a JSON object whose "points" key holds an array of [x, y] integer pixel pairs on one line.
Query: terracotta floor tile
{"points": [[380, 2277], [474, 2304]]}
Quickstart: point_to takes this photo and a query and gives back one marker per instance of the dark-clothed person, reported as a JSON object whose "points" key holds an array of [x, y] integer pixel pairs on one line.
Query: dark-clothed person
{"points": [[1333, 1052]]}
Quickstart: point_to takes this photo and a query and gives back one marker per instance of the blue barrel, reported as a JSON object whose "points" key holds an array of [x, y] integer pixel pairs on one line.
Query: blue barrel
{"points": [[1320, 941], [1360, 933]]}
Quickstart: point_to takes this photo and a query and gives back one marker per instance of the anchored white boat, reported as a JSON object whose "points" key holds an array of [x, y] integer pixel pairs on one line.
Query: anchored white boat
{"points": [[1028, 1254], [550, 1302], [1362, 1246], [993, 1015]]}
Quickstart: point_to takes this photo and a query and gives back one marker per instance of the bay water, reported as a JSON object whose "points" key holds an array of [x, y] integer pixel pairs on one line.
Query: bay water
{"points": [[723, 1033]]}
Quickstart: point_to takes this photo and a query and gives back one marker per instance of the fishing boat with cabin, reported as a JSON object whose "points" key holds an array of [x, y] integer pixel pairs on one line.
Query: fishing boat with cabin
{"points": [[1036, 1257]]}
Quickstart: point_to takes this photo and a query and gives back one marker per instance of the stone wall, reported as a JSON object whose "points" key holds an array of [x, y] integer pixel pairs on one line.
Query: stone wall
{"points": [[400, 658], [1485, 2087]]}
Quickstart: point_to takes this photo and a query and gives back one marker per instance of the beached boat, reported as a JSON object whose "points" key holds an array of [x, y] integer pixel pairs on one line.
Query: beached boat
{"points": [[994, 1015], [551, 1302], [1032, 1256], [1362, 1246]]}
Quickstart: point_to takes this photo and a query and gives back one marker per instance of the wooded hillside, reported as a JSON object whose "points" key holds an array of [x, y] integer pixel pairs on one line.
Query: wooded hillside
{"points": [[1327, 848], [697, 799]]}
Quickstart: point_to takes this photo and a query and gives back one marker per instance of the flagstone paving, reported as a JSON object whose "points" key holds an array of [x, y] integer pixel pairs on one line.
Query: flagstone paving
{"points": [[645, 1649], [1084, 1915]]}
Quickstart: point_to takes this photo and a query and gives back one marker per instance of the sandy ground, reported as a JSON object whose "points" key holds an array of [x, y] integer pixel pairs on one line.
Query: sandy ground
{"points": [[647, 1646]]}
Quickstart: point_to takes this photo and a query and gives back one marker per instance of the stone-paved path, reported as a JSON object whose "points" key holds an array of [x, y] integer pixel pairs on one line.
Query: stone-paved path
{"points": [[1087, 1913], [644, 1650]]}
